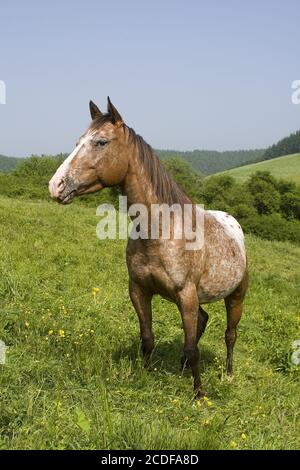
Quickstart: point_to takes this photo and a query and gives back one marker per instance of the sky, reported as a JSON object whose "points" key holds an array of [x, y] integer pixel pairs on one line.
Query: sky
{"points": [[184, 74]]}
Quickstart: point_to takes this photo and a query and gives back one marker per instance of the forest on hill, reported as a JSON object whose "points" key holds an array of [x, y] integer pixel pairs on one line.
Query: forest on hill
{"points": [[287, 146], [209, 162], [202, 161], [7, 164]]}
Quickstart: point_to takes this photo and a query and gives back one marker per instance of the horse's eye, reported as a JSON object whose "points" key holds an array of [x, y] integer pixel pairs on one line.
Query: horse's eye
{"points": [[101, 143]]}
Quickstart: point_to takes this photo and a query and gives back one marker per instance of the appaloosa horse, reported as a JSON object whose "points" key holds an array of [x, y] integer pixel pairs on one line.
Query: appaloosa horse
{"points": [[110, 153]]}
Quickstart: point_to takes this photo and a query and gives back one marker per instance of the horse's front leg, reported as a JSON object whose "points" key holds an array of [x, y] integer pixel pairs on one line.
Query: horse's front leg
{"points": [[188, 305], [142, 304]]}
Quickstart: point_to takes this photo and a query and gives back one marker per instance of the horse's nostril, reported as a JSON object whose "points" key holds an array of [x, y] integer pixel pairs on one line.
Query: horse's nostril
{"points": [[61, 183]]}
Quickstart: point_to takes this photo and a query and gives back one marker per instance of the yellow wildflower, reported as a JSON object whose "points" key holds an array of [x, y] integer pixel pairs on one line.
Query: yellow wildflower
{"points": [[233, 444], [243, 436], [50, 332], [61, 333]]}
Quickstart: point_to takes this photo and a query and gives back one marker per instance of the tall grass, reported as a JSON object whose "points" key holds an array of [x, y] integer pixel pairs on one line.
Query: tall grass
{"points": [[74, 377]]}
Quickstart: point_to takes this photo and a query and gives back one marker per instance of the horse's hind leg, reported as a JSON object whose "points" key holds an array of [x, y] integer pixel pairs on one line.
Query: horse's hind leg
{"points": [[201, 325], [234, 308], [202, 321]]}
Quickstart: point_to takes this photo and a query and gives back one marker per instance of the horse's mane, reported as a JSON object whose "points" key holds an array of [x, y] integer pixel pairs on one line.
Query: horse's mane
{"points": [[165, 188]]}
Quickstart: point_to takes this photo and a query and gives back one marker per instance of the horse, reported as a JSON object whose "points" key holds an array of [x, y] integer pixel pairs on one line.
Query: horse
{"points": [[110, 153]]}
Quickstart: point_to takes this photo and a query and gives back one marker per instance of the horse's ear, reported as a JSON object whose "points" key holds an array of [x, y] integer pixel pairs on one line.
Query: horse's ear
{"points": [[113, 112], [95, 111]]}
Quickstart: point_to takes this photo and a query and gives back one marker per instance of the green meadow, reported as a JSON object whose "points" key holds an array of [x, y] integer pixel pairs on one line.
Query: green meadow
{"points": [[287, 168], [74, 377]]}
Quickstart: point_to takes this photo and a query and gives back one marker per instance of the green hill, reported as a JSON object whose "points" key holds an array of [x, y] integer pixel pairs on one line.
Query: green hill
{"points": [[287, 168], [8, 164]]}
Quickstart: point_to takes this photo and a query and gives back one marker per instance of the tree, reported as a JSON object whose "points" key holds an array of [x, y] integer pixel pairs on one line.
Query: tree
{"points": [[266, 197], [290, 204], [185, 176]]}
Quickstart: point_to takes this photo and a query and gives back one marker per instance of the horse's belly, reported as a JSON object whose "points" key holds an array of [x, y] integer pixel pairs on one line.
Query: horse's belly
{"points": [[219, 281], [209, 292]]}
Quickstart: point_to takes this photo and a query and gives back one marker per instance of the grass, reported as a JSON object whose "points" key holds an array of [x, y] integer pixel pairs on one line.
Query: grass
{"points": [[74, 377], [287, 168]]}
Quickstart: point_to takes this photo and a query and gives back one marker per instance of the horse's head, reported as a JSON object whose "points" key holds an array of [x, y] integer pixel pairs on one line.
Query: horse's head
{"points": [[99, 160]]}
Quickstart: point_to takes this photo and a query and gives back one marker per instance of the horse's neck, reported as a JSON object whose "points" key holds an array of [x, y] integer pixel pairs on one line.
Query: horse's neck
{"points": [[137, 185]]}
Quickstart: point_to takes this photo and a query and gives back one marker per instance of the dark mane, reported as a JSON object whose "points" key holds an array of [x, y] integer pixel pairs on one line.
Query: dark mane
{"points": [[165, 188]]}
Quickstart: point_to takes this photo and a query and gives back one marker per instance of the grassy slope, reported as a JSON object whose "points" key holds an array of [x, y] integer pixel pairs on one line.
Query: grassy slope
{"points": [[89, 389], [287, 167]]}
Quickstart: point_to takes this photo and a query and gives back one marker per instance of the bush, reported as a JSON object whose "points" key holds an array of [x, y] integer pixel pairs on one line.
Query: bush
{"points": [[266, 196], [43, 166], [263, 206], [290, 204], [185, 176], [273, 227]]}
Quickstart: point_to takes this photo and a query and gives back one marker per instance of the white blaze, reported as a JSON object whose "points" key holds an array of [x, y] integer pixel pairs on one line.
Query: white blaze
{"points": [[62, 171]]}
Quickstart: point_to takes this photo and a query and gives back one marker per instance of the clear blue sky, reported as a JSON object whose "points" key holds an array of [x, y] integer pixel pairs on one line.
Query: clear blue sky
{"points": [[185, 74]]}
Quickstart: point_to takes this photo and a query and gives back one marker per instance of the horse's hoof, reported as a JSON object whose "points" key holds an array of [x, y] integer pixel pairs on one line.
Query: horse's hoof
{"points": [[199, 394], [147, 360], [184, 363]]}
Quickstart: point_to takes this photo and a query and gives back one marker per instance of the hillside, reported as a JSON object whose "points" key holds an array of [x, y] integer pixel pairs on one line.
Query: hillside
{"points": [[74, 377], [8, 164], [269, 209], [202, 161], [209, 162], [287, 167]]}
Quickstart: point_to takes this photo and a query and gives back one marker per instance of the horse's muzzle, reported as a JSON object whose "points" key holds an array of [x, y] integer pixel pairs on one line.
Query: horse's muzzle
{"points": [[61, 191]]}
